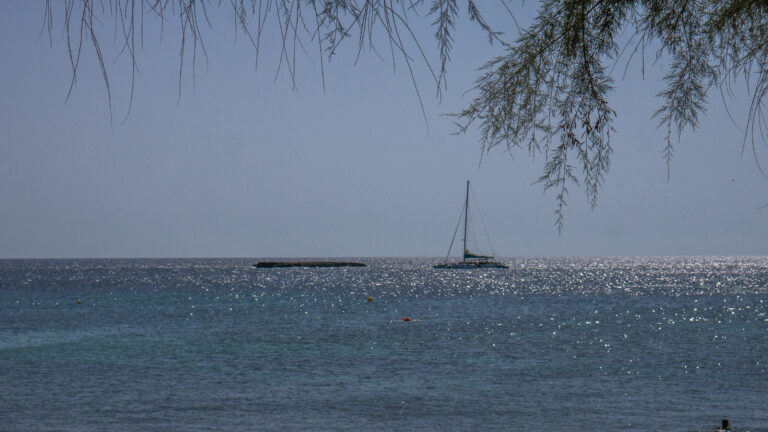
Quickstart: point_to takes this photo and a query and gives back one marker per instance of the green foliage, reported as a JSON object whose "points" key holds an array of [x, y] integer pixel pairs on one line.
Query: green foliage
{"points": [[547, 94]]}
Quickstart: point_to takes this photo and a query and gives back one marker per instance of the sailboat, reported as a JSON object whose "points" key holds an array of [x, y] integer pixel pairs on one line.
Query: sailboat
{"points": [[469, 259]]}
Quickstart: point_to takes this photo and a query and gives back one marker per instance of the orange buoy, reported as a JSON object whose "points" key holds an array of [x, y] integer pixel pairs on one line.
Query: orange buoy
{"points": [[79, 302], [407, 319]]}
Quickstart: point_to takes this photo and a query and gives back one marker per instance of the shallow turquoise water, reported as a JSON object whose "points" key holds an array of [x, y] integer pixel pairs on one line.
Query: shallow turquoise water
{"points": [[549, 344]]}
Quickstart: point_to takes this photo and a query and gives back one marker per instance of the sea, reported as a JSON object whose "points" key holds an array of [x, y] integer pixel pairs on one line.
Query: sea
{"points": [[549, 344]]}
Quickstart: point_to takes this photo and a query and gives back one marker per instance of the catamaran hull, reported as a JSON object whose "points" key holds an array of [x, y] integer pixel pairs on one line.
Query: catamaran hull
{"points": [[470, 265]]}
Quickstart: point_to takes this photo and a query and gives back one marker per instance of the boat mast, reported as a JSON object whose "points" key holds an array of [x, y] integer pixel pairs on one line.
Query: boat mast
{"points": [[466, 213]]}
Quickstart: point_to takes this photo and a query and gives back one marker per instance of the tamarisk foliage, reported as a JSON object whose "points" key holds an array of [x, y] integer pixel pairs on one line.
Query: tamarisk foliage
{"points": [[547, 93], [302, 24]]}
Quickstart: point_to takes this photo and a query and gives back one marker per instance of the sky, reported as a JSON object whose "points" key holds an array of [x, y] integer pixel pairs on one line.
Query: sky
{"points": [[239, 163]]}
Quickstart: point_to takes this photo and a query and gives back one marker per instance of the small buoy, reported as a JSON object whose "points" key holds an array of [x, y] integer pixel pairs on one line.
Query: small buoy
{"points": [[370, 299], [725, 425], [407, 319], [79, 301]]}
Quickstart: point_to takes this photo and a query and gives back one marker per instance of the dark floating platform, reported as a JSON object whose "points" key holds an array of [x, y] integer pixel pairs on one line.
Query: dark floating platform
{"points": [[273, 264]]}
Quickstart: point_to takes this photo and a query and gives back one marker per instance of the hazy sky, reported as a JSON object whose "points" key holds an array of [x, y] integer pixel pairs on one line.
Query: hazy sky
{"points": [[244, 165]]}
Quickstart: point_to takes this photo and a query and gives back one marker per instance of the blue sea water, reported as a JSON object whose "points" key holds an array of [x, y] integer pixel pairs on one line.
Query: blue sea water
{"points": [[604, 344]]}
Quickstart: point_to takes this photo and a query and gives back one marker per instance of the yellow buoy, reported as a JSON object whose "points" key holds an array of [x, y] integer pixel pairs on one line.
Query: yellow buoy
{"points": [[370, 299], [79, 301]]}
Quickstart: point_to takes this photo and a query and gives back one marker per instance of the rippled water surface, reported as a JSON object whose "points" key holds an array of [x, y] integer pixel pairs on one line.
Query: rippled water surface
{"points": [[603, 344]]}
